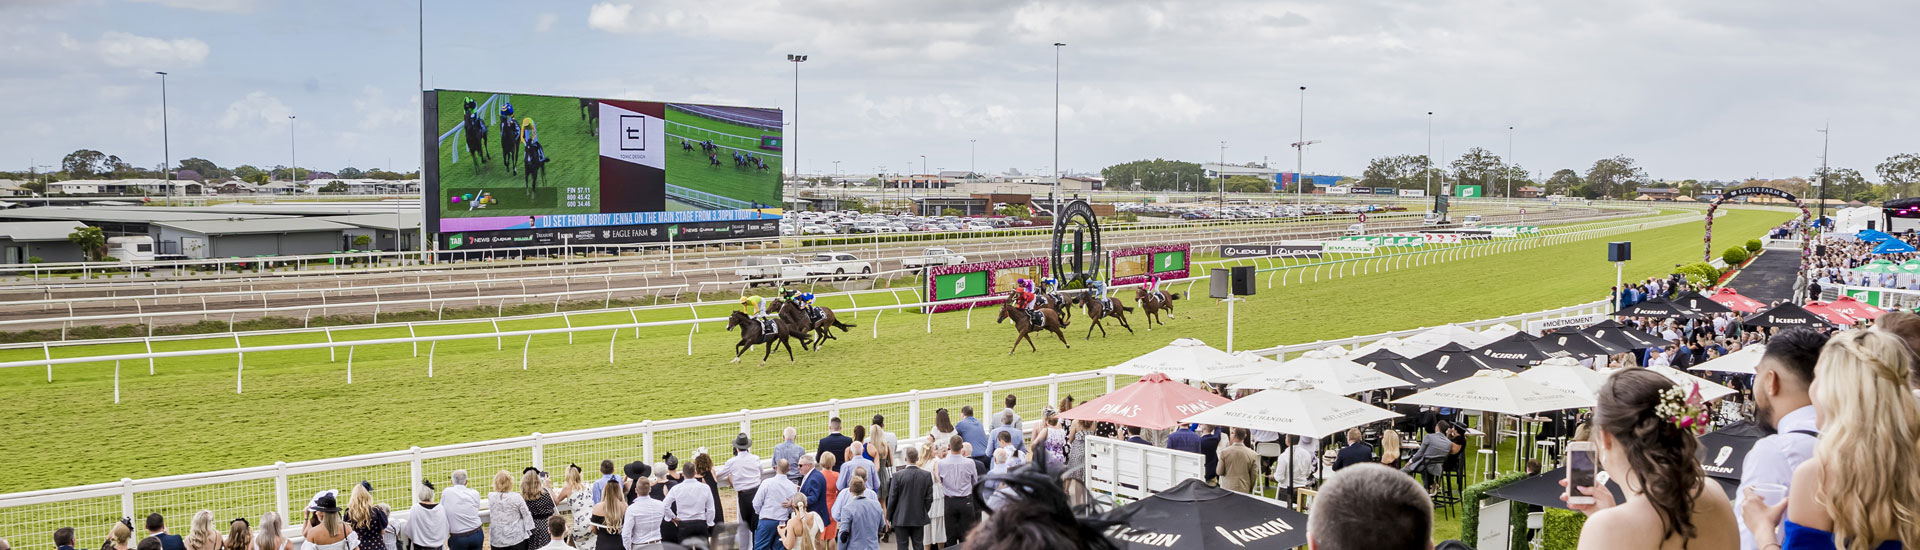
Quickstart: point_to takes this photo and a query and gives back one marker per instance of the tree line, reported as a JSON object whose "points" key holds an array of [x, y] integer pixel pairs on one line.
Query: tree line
{"points": [[89, 164]]}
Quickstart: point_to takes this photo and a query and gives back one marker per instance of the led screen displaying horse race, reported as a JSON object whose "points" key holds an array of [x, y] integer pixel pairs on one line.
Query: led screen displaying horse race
{"points": [[530, 170]]}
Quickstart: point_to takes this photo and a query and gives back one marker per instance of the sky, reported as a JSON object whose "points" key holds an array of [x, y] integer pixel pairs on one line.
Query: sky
{"points": [[1709, 89]]}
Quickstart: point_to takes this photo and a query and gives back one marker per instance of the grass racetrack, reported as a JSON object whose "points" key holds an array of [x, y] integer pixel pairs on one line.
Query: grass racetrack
{"points": [[573, 155], [691, 169], [298, 406]]}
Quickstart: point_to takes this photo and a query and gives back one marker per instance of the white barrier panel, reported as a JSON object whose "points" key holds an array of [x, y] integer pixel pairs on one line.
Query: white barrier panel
{"points": [[1118, 471]]}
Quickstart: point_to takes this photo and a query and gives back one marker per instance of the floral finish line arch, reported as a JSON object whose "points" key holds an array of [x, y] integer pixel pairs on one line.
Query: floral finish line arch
{"points": [[1806, 237]]}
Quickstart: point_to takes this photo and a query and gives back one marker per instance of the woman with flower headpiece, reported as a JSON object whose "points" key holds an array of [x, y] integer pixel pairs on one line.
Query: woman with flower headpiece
{"points": [[1646, 436]]}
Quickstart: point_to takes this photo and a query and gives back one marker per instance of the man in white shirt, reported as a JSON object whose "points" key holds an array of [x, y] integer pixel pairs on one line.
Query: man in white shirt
{"points": [[1781, 404], [773, 505], [691, 503], [556, 526], [640, 528], [462, 507], [426, 523], [743, 473], [1294, 469]]}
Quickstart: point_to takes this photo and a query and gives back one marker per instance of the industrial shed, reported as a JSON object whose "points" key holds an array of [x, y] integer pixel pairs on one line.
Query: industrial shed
{"points": [[253, 237], [45, 240]]}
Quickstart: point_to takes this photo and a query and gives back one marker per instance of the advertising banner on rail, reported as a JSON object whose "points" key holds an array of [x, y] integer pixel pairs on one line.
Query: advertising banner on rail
{"points": [[953, 282], [1137, 265], [1312, 250], [533, 170]]}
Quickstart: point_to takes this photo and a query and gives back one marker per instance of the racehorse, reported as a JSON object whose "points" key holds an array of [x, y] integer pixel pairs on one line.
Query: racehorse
{"points": [[535, 156], [590, 112], [1058, 303], [1153, 303], [509, 143], [476, 134], [1049, 320], [820, 329], [753, 333], [1102, 307]]}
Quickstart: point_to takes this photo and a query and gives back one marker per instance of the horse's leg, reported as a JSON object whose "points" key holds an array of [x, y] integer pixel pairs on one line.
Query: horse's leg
{"points": [[789, 345], [740, 349], [1094, 322], [1062, 335], [1016, 343]]}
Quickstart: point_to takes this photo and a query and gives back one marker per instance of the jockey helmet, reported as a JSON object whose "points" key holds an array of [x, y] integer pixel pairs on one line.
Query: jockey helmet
{"points": [[469, 103], [806, 296], [745, 300], [506, 110], [1049, 281]]}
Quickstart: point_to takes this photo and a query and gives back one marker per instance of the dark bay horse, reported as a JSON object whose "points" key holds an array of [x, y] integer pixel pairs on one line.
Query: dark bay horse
{"points": [[1050, 321], [820, 330], [1154, 303], [1099, 307], [475, 132], [509, 144], [752, 334], [1058, 303]]}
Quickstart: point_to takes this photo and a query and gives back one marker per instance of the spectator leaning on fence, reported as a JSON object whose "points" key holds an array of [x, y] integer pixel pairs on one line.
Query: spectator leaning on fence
{"points": [[271, 527], [507, 516], [462, 507], [789, 451], [426, 522]]}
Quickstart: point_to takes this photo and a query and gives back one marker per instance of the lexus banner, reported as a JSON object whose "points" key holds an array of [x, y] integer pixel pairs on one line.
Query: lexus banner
{"points": [[1274, 250]]}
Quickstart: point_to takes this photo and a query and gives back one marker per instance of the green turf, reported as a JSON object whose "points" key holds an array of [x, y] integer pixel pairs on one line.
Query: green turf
{"points": [[298, 406], [572, 150], [691, 169]]}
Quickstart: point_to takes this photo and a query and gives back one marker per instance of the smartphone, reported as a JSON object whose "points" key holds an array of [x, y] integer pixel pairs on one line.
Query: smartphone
{"points": [[1580, 471]]}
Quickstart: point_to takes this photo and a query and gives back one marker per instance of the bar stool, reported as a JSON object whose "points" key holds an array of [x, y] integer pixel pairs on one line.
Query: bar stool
{"points": [[1487, 459], [1547, 450]]}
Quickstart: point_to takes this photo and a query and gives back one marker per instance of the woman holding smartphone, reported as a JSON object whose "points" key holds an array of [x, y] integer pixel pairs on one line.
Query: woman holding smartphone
{"points": [[1645, 441]]}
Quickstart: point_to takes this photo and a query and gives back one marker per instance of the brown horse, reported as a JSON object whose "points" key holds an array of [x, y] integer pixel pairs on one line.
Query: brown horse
{"points": [[1103, 307], [1154, 303], [820, 331], [752, 334], [1050, 321], [1058, 303]]}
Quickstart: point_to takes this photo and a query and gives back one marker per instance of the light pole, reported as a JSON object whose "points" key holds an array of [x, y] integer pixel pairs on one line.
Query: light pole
{"points": [[1053, 194], [1300, 153], [793, 152], [970, 144], [293, 149], [1429, 167], [1823, 175], [1223, 172], [166, 147], [1509, 169]]}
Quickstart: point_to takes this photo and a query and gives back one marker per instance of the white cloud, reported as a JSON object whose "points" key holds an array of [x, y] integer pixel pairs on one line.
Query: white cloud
{"points": [[610, 17], [376, 114], [543, 22], [255, 111], [120, 49], [223, 6]]}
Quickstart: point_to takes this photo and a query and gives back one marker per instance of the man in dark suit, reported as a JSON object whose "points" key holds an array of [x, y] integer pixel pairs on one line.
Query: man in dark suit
{"points": [[1210, 447], [1357, 451], [814, 485], [157, 530], [909, 496], [832, 443], [63, 538]]}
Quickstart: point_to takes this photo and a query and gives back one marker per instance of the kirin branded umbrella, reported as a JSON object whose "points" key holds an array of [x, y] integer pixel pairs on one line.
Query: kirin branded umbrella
{"points": [[1154, 403], [1735, 301], [1701, 303], [1659, 308], [1544, 490], [1393, 364], [1724, 451], [1515, 352], [1449, 363], [1622, 336], [1186, 359], [1197, 516], [1498, 391], [1739, 362], [1579, 344], [1785, 315]]}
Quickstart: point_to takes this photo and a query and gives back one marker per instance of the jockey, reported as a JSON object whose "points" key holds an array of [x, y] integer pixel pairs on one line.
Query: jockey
{"points": [[1152, 287], [1023, 296], [806, 300], [753, 307], [506, 114], [788, 294], [1099, 289]]}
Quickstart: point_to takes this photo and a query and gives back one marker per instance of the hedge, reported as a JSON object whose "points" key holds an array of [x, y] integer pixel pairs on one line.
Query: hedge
{"points": [[1701, 273], [1470, 511], [1735, 256], [1560, 529], [1753, 245]]}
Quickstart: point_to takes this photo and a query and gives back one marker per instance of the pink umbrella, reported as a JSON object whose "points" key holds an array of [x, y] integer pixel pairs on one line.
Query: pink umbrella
{"points": [[1732, 299], [1827, 312], [1154, 403], [1850, 307]]}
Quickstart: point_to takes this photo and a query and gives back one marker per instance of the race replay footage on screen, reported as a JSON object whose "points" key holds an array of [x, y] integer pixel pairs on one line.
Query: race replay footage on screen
{"points": [[516, 170]]}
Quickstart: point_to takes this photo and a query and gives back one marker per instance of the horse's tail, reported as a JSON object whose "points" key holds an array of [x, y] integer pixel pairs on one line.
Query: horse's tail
{"points": [[1171, 296], [842, 326], [1125, 308]]}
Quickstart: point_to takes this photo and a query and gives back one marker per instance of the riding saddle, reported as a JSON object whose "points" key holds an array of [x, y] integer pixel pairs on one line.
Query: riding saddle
{"points": [[1039, 318], [767, 327], [815, 314]]}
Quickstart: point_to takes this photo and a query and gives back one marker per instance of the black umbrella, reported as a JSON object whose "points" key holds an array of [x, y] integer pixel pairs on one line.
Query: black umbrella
{"points": [[1194, 515], [1516, 352], [1701, 303], [1396, 365], [1571, 340], [1658, 307], [1785, 315], [1723, 451], [1622, 336], [1448, 363], [1544, 490]]}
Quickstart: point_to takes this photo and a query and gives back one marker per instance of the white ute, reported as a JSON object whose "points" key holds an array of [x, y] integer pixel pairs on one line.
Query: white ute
{"points": [[932, 256]]}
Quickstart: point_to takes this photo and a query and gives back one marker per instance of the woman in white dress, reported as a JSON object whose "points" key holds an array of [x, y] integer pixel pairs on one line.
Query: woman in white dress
{"points": [[574, 496], [937, 515]]}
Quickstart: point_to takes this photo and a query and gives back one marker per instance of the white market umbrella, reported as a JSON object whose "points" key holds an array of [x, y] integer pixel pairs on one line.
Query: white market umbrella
{"points": [[1498, 391], [1335, 351], [1392, 344], [1445, 334], [1296, 408], [1498, 331], [1709, 390], [1323, 371], [1186, 359], [1741, 362], [1565, 373]]}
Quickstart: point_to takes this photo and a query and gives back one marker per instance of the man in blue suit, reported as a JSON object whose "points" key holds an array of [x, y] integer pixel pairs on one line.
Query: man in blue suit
{"points": [[157, 530], [832, 443], [972, 432], [814, 485]]}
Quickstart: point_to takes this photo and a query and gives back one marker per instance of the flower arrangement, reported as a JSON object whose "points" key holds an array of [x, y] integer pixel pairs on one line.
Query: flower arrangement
{"points": [[1684, 408]]}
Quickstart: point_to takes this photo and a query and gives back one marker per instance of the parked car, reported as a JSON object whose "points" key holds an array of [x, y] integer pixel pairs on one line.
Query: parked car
{"points": [[754, 268], [1472, 220], [932, 256], [1357, 229], [837, 264]]}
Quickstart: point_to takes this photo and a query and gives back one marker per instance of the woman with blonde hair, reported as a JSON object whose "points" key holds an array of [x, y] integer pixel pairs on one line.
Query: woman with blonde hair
{"points": [[324, 530], [119, 535], [507, 511], [1390, 447], [802, 531], [367, 522], [576, 495], [203, 536], [936, 529], [609, 516], [1859, 490], [882, 459], [270, 536], [540, 505]]}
